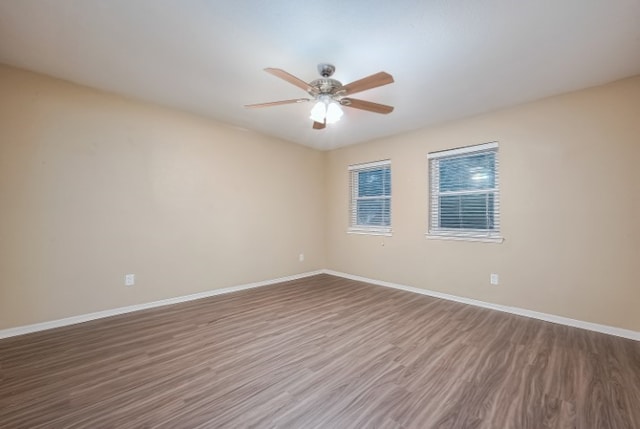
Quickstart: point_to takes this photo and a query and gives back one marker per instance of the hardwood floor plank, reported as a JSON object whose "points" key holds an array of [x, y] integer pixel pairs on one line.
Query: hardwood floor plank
{"points": [[321, 352]]}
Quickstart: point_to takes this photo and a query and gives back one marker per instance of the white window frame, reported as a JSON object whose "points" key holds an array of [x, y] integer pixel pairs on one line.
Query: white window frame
{"points": [[354, 228], [435, 232]]}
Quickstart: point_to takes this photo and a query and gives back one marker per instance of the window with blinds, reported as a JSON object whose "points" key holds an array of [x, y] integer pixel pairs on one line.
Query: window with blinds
{"points": [[464, 193], [370, 188]]}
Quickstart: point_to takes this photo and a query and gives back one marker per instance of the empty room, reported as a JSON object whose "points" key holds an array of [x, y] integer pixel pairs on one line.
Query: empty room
{"points": [[285, 214]]}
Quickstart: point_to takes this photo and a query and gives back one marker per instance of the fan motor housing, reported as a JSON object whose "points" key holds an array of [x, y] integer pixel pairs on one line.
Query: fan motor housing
{"points": [[326, 86]]}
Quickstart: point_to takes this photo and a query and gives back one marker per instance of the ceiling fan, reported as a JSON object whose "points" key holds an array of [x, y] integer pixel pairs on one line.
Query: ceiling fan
{"points": [[331, 94]]}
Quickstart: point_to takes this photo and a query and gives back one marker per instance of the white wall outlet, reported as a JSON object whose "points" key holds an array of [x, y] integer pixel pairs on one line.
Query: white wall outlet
{"points": [[494, 279], [301, 257], [129, 279]]}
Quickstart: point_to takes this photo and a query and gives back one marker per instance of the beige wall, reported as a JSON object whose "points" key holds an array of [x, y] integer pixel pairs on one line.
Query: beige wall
{"points": [[570, 195], [93, 186]]}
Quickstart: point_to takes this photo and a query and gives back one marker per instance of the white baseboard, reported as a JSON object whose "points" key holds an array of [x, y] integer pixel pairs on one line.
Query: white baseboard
{"points": [[611, 330], [21, 330]]}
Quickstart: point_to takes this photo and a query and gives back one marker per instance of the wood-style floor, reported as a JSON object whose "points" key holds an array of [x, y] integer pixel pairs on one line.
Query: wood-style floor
{"points": [[319, 352]]}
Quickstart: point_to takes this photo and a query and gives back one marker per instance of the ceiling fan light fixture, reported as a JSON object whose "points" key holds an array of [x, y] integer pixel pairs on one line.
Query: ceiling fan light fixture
{"points": [[330, 94], [334, 113], [319, 112]]}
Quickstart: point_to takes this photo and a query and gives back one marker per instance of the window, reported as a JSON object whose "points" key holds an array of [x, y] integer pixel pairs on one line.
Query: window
{"points": [[371, 198], [464, 194]]}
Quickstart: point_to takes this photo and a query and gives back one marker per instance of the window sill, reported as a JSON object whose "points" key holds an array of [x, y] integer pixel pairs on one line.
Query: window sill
{"points": [[370, 231], [463, 237]]}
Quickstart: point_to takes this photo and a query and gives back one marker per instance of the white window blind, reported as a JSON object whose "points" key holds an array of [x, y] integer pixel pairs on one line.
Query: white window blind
{"points": [[370, 189], [464, 193]]}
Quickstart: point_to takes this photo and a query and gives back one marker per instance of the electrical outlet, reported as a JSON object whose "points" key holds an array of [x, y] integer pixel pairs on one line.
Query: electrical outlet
{"points": [[129, 279], [494, 279], [301, 257]]}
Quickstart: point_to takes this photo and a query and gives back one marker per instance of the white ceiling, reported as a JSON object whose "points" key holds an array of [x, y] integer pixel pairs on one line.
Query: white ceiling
{"points": [[450, 59]]}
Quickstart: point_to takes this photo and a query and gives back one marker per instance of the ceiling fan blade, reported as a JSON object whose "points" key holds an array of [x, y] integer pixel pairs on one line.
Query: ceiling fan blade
{"points": [[366, 105], [369, 82], [319, 125], [289, 78], [276, 103]]}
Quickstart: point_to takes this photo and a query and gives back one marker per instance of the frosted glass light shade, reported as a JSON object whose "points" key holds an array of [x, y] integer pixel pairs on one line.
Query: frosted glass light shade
{"points": [[319, 112], [334, 113]]}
